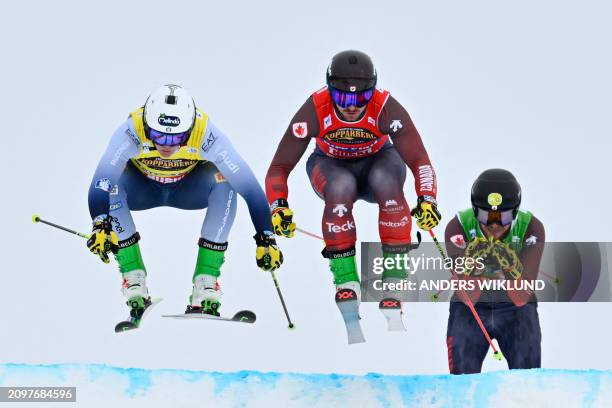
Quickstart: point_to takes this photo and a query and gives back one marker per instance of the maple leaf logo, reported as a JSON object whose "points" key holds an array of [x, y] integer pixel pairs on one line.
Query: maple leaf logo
{"points": [[300, 129]]}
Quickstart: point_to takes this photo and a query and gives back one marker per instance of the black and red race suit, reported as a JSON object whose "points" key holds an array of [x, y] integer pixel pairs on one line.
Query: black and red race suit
{"points": [[364, 159]]}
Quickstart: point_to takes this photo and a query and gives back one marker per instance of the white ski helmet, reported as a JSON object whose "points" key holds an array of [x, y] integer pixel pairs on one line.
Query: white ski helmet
{"points": [[170, 109]]}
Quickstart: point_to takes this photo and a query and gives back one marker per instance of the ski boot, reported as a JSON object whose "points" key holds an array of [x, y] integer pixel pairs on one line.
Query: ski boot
{"points": [[206, 296], [135, 290]]}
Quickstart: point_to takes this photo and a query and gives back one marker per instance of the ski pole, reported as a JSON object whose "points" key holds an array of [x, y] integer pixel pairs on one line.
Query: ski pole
{"points": [[496, 353], [280, 295], [36, 219], [310, 234]]}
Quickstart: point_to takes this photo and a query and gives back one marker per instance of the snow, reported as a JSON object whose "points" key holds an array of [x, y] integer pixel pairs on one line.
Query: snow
{"points": [[104, 386]]}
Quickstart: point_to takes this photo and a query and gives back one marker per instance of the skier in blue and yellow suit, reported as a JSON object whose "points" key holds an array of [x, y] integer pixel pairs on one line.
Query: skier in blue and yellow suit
{"points": [[169, 153]]}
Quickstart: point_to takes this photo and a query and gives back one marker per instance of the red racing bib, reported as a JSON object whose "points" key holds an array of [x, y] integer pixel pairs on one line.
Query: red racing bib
{"points": [[346, 140]]}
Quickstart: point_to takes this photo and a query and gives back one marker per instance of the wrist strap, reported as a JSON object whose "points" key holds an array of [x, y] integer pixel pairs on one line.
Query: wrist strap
{"points": [[281, 202]]}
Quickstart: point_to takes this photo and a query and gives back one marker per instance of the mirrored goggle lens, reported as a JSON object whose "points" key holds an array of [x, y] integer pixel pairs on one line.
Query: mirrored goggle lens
{"points": [[491, 217], [345, 99], [167, 139]]}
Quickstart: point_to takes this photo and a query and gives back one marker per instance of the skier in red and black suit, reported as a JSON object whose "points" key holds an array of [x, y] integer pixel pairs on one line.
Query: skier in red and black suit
{"points": [[364, 140]]}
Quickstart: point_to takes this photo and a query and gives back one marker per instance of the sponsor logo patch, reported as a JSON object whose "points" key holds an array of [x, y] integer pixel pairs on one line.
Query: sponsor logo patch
{"points": [[219, 178], [340, 210], [459, 241], [104, 184], [389, 203], [396, 125], [300, 129], [223, 157], [401, 223], [472, 234], [532, 240], [210, 140], [351, 136], [327, 121], [158, 163], [116, 225], [347, 226], [115, 206], [132, 136], [371, 121], [172, 121], [115, 190], [494, 199]]}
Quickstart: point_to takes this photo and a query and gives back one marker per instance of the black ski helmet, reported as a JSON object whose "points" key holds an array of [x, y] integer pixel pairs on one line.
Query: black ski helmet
{"points": [[496, 190], [351, 71]]}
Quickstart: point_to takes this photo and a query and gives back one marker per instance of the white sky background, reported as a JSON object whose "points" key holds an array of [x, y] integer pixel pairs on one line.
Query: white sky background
{"points": [[521, 85]]}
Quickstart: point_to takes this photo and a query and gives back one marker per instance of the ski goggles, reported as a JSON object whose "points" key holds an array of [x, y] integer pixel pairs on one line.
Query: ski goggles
{"points": [[491, 217], [345, 99], [167, 139]]}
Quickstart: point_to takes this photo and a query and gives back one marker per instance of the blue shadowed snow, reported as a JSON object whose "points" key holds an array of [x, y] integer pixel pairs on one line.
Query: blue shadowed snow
{"points": [[101, 385]]}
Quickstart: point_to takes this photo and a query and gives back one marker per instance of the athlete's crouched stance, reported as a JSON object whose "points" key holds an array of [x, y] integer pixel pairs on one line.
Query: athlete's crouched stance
{"points": [[169, 153]]}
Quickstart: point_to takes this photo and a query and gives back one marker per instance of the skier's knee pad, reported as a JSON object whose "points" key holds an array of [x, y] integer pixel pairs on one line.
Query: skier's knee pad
{"points": [[342, 265], [129, 257], [397, 270], [211, 256]]}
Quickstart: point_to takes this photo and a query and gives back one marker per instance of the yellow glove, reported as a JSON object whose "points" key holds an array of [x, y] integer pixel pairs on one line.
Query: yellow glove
{"points": [[426, 213], [479, 247], [282, 218], [267, 254], [103, 239], [508, 259]]}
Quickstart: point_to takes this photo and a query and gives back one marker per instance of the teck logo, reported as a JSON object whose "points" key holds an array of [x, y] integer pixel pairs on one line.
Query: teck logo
{"points": [[347, 226]]}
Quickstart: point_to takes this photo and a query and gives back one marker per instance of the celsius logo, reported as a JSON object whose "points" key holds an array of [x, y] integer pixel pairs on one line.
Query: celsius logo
{"points": [[168, 120]]}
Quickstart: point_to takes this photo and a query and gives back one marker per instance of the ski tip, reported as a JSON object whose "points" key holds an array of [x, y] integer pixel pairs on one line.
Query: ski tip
{"points": [[245, 316], [357, 340], [35, 218], [125, 326]]}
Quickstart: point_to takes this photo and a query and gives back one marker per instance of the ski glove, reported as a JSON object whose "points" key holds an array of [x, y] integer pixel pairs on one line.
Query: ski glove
{"points": [[426, 213], [267, 254], [508, 260], [103, 239], [282, 218], [478, 248]]}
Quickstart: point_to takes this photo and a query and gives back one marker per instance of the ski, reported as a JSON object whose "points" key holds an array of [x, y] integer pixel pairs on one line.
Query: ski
{"points": [[243, 316], [347, 302], [392, 310], [133, 322]]}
